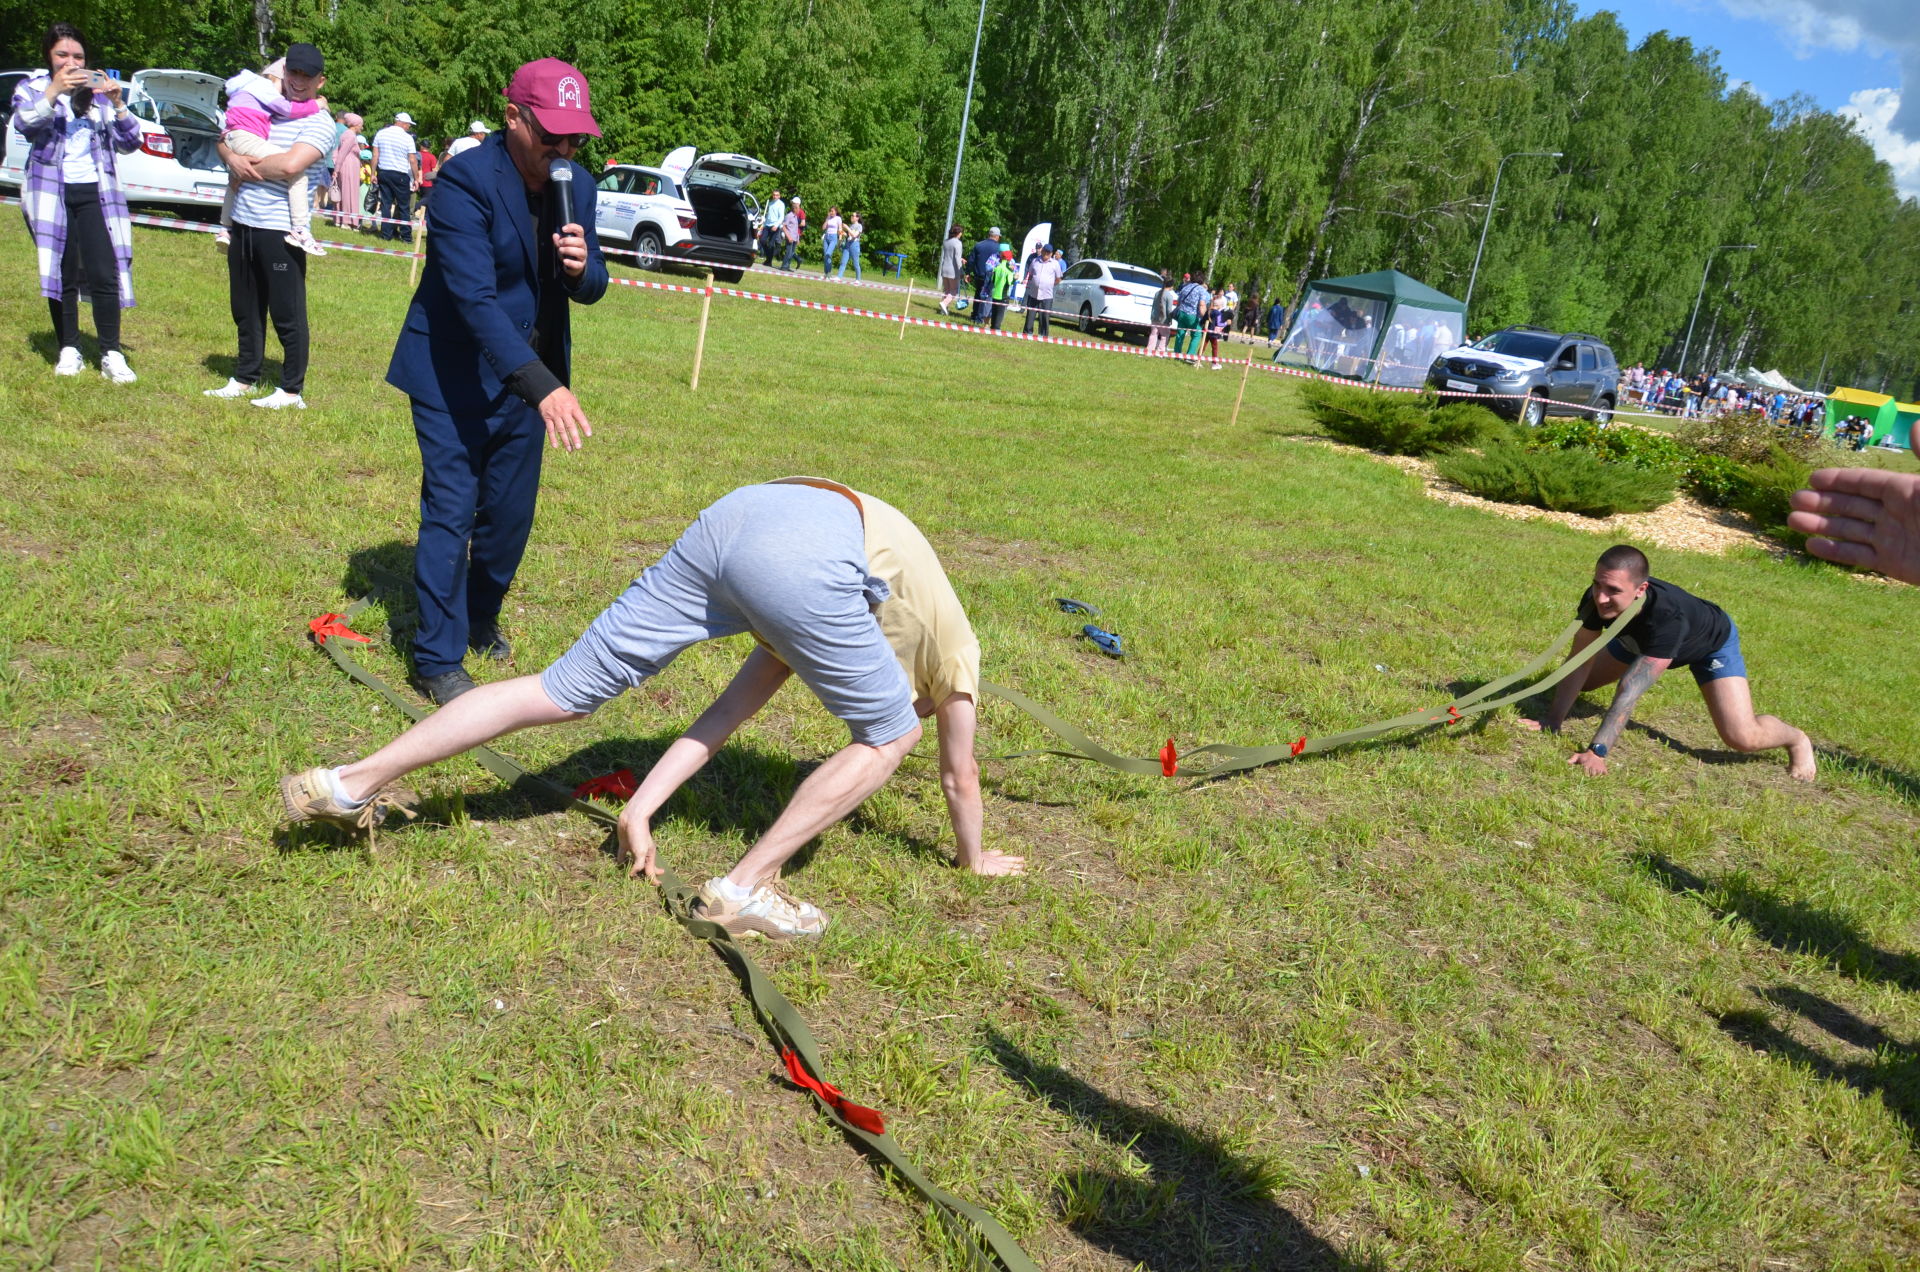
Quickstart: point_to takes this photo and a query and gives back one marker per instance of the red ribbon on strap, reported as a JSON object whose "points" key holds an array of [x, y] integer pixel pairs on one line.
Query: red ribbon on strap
{"points": [[620, 784], [1299, 746], [1453, 714], [859, 1115], [334, 625], [1169, 759]]}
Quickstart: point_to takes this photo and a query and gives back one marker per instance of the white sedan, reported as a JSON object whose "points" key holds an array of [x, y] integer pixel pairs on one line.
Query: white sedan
{"points": [[178, 160], [1107, 293]]}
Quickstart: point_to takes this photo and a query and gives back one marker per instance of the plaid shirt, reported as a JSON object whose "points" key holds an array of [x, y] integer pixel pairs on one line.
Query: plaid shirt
{"points": [[41, 197]]}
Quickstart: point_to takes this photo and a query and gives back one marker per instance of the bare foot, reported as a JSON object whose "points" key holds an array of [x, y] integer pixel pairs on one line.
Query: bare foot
{"points": [[1800, 765], [999, 863], [1537, 726]]}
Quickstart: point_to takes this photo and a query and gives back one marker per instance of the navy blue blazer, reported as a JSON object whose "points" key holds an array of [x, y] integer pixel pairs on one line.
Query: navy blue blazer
{"points": [[470, 325]]}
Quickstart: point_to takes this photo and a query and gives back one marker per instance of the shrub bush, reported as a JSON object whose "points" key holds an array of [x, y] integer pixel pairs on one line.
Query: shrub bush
{"points": [[1749, 437], [1766, 488], [1561, 480], [1398, 423], [1637, 448]]}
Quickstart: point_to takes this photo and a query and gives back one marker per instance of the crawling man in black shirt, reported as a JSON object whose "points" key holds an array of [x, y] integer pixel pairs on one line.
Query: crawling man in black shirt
{"points": [[1673, 629]]}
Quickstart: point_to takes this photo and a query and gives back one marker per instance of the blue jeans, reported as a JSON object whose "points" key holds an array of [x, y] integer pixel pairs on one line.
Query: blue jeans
{"points": [[827, 244], [851, 252]]}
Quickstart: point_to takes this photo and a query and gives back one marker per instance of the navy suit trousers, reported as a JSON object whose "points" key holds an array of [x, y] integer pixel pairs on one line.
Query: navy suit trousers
{"points": [[479, 479]]}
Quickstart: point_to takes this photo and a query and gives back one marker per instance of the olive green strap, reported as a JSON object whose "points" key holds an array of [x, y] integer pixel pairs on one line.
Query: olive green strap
{"points": [[988, 1245], [1233, 759]]}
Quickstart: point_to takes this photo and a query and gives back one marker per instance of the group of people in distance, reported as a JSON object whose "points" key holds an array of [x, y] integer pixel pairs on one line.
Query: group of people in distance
{"points": [[835, 585]]}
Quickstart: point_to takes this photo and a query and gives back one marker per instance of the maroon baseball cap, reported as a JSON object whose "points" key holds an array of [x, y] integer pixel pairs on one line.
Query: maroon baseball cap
{"points": [[556, 93]]}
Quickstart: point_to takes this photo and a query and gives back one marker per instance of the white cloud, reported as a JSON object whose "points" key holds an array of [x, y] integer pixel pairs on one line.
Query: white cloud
{"points": [[1873, 111], [1886, 116]]}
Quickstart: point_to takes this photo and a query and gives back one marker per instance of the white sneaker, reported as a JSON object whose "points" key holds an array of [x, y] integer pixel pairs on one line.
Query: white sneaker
{"points": [[69, 363], [307, 243], [770, 911], [231, 389], [222, 237], [280, 400], [113, 366]]}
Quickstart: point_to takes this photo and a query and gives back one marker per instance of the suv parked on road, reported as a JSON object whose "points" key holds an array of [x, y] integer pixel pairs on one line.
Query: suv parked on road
{"points": [[696, 210], [1531, 373]]}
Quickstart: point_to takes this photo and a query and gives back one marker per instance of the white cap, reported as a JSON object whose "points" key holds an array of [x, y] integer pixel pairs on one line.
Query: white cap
{"points": [[403, 118], [994, 232], [477, 126]]}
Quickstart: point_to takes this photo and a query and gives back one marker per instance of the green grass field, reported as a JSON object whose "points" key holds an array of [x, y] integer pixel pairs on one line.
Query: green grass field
{"points": [[1434, 1002]]}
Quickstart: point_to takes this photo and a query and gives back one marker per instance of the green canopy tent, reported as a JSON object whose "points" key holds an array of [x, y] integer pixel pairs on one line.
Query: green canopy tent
{"points": [[1906, 415], [1383, 326], [1877, 409]]}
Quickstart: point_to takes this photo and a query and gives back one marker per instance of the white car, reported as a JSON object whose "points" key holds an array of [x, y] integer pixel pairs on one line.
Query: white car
{"points": [[692, 209], [178, 160], [1107, 293]]}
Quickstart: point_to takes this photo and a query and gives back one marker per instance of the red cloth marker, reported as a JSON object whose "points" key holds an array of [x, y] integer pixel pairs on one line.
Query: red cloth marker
{"points": [[1169, 759], [334, 625], [620, 784], [859, 1115]]}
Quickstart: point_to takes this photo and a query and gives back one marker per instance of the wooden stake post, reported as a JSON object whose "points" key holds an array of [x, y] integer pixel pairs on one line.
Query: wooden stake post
{"points": [[1244, 372], [904, 308], [700, 341], [420, 245]]}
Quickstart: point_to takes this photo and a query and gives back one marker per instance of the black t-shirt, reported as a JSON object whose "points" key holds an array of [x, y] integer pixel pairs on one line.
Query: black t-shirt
{"points": [[1674, 624]]}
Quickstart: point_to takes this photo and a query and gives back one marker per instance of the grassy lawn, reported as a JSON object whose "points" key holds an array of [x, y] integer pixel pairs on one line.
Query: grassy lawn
{"points": [[1434, 1002]]}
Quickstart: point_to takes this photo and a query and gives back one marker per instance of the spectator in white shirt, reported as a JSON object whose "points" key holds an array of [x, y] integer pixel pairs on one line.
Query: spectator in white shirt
{"points": [[396, 163]]}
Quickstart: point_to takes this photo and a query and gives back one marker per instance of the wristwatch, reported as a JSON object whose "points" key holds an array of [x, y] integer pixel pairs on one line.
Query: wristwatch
{"points": [[1599, 749]]}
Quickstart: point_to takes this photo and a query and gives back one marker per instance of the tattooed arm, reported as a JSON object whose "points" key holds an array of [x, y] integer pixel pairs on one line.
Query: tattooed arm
{"points": [[1636, 680]]}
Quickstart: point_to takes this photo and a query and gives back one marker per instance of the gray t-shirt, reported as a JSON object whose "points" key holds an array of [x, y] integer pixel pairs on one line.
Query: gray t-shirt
{"points": [[263, 204], [953, 255]]}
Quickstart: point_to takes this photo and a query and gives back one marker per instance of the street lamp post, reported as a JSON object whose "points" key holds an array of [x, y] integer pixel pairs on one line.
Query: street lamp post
{"points": [[953, 195], [1474, 277], [1687, 345]]}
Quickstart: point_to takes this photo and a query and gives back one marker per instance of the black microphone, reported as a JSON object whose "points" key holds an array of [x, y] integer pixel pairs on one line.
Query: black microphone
{"points": [[560, 174]]}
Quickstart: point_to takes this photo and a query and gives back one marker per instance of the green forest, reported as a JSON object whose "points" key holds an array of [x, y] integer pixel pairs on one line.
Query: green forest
{"points": [[1267, 142]]}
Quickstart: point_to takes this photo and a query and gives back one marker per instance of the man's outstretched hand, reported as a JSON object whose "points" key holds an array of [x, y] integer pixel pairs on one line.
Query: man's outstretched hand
{"points": [[1866, 517], [567, 427]]}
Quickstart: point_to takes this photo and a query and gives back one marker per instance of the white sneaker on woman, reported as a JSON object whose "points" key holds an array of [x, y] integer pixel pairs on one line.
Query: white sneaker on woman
{"points": [[280, 400], [113, 366], [69, 363], [231, 389]]}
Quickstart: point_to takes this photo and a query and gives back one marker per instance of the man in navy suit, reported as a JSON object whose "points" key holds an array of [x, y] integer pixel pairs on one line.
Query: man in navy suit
{"points": [[485, 356]]}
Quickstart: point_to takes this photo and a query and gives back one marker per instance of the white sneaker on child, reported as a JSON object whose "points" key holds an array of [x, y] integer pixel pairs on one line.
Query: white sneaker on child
{"points": [[222, 237], [113, 366], [307, 243], [69, 363], [231, 389], [280, 400]]}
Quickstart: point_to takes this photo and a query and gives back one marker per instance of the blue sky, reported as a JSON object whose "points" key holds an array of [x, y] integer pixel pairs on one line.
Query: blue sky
{"points": [[1850, 56]]}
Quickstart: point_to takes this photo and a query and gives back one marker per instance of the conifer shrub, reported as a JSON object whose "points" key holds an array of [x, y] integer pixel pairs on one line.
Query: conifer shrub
{"points": [[1575, 481], [1398, 423]]}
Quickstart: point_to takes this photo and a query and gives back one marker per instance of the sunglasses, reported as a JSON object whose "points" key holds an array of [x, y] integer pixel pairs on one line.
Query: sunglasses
{"points": [[555, 139]]}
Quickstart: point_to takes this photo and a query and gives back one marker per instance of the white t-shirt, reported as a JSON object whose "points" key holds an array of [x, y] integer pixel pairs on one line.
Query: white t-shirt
{"points": [[461, 146], [263, 204], [393, 149], [76, 162]]}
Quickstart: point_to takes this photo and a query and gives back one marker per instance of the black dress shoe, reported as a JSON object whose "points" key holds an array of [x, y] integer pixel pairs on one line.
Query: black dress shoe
{"points": [[489, 643], [445, 687]]}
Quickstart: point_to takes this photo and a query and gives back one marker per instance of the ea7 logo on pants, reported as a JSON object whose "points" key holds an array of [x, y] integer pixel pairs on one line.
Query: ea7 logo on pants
{"points": [[281, 266]]}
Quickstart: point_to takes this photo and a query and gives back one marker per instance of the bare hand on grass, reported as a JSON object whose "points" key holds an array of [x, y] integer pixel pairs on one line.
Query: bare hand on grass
{"points": [[1539, 726], [636, 845]]}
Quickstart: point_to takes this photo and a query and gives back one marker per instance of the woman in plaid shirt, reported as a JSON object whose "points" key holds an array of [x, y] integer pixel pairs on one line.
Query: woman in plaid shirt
{"points": [[75, 122]]}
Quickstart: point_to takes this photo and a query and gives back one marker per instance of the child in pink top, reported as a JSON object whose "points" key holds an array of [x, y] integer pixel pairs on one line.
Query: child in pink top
{"points": [[254, 104]]}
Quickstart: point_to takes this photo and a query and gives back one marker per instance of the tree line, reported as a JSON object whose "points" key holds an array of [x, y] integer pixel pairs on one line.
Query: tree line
{"points": [[1265, 142]]}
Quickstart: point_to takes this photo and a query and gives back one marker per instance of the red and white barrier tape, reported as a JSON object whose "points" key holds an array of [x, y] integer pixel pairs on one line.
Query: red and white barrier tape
{"points": [[795, 302]]}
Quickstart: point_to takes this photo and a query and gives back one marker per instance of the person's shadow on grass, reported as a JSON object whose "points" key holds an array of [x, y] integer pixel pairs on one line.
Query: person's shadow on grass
{"points": [[1891, 1069], [1790, 926], [1198, 1207], [222, 366]]}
